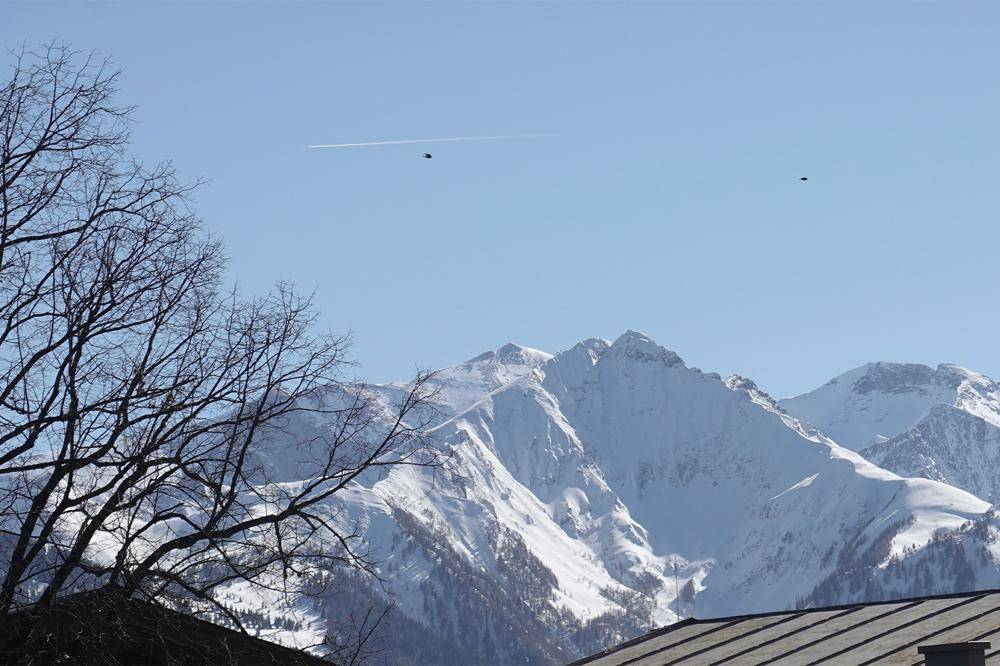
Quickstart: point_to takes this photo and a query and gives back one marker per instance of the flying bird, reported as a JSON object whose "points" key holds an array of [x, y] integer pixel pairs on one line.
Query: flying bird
{"points": [[427, 156], [803, 178]]}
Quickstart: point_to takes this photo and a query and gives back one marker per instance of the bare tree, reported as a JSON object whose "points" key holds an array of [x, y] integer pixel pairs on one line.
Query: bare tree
{"points": [[143, 409]]}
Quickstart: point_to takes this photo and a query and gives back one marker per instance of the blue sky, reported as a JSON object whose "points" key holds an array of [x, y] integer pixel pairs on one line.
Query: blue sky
{"points": [[667, 199]]}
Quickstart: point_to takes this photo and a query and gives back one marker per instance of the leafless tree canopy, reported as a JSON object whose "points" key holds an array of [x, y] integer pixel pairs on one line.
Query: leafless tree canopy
{"points": [[138, 398]]}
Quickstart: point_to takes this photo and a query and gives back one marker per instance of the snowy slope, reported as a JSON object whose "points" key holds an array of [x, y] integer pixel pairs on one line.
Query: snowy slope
{"points": [[950, 445], [938, 423], [955, 560], [714, 473], [880, 400]]}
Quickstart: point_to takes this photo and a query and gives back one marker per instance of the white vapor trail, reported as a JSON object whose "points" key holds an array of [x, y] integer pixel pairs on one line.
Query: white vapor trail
{"points": [[442, 140]]}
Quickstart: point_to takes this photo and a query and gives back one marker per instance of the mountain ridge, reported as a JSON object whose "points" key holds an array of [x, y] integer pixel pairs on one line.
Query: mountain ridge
{"points": [[639, 487]]}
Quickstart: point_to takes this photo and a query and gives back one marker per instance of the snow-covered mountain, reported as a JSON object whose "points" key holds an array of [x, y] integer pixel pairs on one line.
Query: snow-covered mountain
{"points": [[594, 494], [607, 489], [938, 423], [591, 495]]}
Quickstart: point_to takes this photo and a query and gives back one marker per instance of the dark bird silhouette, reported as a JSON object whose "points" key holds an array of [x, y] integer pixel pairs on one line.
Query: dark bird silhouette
{"points": [[427, 156], [803, 178]]}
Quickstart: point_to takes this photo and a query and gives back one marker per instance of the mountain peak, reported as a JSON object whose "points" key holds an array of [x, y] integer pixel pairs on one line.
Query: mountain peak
{"points": [[640, 347], [513, 354], [593, 347], [883, 377], [963, 374], [633, 336]]}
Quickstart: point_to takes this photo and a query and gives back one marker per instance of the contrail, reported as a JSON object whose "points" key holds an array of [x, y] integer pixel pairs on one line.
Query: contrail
{"points": [[440, 140]]}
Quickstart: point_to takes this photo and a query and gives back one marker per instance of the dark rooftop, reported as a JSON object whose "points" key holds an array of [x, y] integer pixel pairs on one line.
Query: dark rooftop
{"points": [[887, 632]]}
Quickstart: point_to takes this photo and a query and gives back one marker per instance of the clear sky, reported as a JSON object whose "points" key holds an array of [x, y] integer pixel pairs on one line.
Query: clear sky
{"points": [[667, 201]]}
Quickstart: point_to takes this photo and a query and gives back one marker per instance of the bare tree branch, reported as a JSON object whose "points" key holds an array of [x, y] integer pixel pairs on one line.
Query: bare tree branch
{"points": [[145, 413]]}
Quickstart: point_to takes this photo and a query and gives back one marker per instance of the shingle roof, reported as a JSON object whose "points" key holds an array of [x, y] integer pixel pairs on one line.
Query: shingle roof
{"points": [[887, 632]]}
